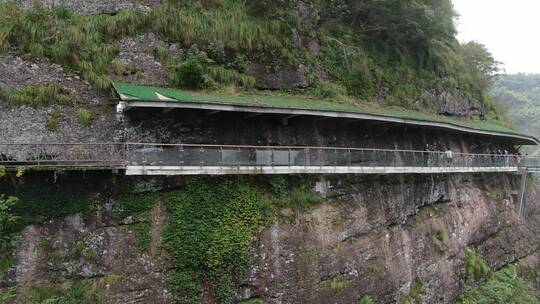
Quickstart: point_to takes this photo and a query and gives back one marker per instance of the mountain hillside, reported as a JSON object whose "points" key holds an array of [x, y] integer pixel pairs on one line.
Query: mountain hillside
{"points": [[91, 235], [520, 96], [391, 52]]}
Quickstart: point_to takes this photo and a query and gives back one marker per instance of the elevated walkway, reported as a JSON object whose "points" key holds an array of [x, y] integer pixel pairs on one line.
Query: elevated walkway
{"points": [[187, 159]]}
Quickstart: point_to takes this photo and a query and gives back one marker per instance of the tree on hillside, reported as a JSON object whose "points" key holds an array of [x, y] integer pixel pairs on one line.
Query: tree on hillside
{"points": [[482, 66]]}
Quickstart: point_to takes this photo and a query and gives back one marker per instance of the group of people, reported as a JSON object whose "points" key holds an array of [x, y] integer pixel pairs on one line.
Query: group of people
{"points": [[447, 152], [445, 156], [512, 158]]}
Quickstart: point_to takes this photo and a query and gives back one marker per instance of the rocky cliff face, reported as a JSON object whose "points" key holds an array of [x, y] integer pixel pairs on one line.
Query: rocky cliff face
{"points": [[383, 236], [391, 237], [388, 237]]}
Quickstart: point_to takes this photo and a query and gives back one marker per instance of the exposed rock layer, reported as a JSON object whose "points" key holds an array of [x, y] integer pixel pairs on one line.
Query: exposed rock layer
{"points": [[373, 235]]}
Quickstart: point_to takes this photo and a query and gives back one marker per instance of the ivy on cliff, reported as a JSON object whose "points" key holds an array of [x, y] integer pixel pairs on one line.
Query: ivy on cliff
{"points": [[212, 226]]}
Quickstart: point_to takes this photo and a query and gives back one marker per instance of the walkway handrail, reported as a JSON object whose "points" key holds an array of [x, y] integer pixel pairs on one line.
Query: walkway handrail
{"points": [[249, 146], [122, 155]]}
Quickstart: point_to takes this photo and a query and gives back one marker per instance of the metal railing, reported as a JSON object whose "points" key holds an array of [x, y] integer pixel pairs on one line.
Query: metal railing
{"points": [[223, 155], [122, 155], [84, 155]]}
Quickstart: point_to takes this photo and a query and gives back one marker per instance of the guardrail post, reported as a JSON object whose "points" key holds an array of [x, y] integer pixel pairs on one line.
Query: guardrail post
{"points": [[202, 158], [320, 158], [289, 158], [335, 159]]}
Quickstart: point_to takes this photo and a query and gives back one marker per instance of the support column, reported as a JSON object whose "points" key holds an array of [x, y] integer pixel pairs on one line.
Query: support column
{"points": [[522, 189]]}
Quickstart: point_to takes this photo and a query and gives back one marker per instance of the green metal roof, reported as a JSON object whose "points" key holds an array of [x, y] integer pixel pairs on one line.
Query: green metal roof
{"points": [[131, 92]]}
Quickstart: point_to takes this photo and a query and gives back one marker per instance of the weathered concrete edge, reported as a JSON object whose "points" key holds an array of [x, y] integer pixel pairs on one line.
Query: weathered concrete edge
{"points": [[126, 105], [254, 170]]}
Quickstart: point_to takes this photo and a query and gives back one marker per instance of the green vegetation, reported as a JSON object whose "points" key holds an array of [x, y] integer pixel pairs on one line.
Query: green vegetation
{"points": [[384, 51], [38, 95], [190, 74], [439, 238], [2, 171], [212, 224], [8, 220], [86, 43], [142, 235], [53, 121], [85, 118], [7, 216], [118, 68], [441, 234], [136, 207], [37, 206], [8, 295], [339, 283], [79, 292], [519, 94], [416, 294], [20, 171], [329, 90], [74, 41], [211, 228], [405, 48], [366, 300], [222, 23], [476, 267], [505, 286]]}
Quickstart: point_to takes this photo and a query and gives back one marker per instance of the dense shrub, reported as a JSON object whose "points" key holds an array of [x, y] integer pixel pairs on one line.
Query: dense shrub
{"points": [[190, 74]]}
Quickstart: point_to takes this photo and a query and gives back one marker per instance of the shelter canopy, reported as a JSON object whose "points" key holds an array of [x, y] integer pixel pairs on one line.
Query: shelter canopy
{"points": [[137, 96]]}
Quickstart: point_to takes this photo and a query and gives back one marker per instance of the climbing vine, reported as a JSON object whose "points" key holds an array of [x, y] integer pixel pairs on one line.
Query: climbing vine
{"points": [[211, 227]]}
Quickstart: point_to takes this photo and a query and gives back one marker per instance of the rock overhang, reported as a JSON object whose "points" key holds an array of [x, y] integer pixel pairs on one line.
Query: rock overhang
{"points": [[138, 96]]}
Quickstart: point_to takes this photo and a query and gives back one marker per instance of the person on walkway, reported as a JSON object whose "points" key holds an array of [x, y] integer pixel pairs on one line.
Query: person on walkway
{"points": [[427, 155], [449, 155]]}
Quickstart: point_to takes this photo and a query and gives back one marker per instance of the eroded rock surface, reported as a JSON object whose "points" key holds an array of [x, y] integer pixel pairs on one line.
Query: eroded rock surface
{"points": [[279, 76], [136, 55], [380, 236], [95, 250]]}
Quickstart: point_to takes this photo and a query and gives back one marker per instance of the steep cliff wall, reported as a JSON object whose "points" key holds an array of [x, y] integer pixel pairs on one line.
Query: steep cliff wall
{"points": [[393, 238], [95, 237], [385, 237]]}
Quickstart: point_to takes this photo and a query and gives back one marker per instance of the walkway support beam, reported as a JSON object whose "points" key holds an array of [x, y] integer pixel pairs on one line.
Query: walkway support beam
{"points": [[522, 196]]}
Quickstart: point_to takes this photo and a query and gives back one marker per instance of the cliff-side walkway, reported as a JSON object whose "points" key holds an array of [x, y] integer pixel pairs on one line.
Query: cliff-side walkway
{"points": [[189, 159]]}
